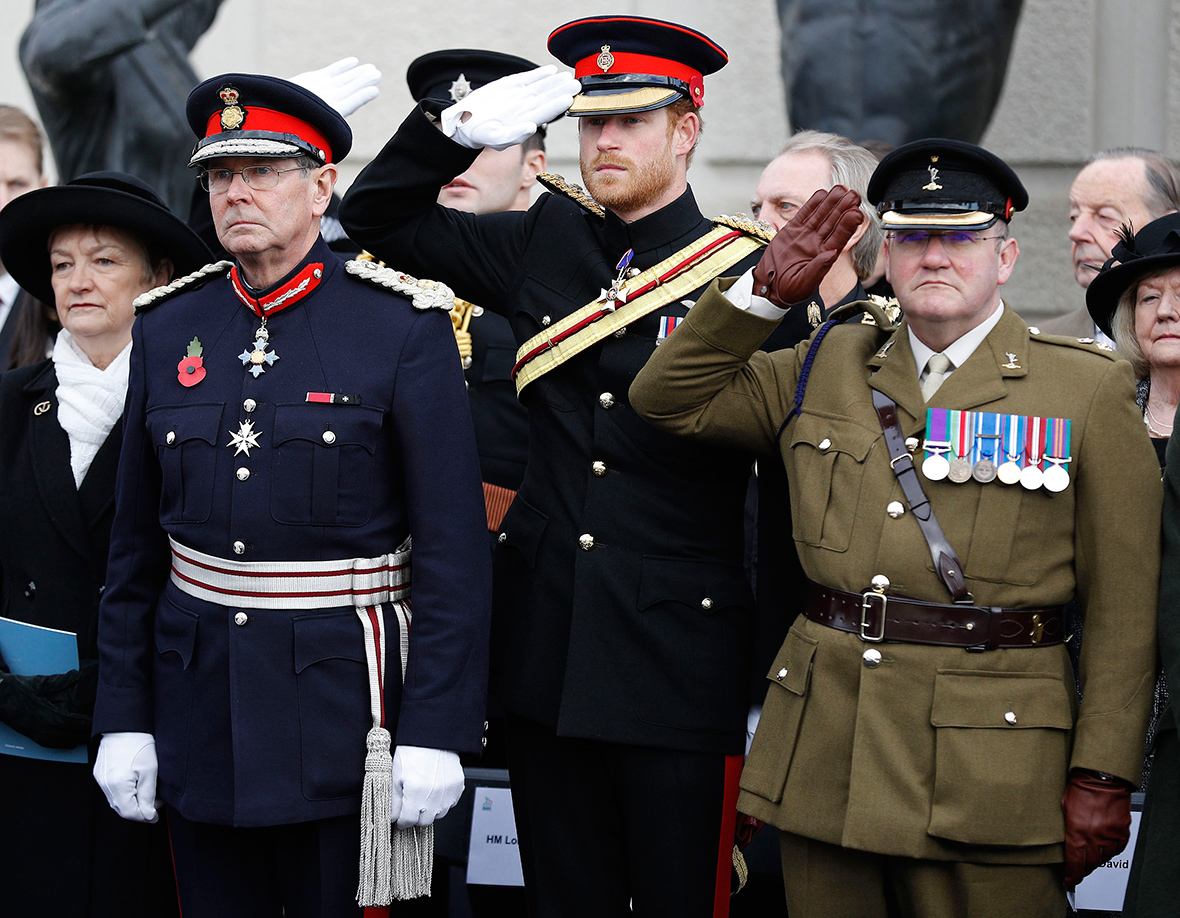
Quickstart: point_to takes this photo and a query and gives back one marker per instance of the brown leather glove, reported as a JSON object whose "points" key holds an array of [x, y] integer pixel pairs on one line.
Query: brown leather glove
{"points": [[1097, 822], [801, 253]]}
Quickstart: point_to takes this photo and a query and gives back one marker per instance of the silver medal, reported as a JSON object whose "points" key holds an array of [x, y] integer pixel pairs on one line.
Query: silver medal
{"points": [[960, 471], [1056, 478], [1031, 477], [936, 468], [984, 471]]}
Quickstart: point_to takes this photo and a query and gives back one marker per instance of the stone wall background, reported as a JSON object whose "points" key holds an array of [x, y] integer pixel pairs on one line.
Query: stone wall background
{"points": [[1084, 75]]}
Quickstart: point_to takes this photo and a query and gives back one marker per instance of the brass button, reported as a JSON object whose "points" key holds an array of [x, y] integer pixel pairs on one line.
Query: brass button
{"points": [[599, 469], [249, 405], [586, 541], [241, 618], [502, 538], [872, 658], [1010, 717], [239, 548], [329, 437], [243, 473], [606, 400], [706, 604], [825, 443], [170, 437], [477, 311], [1033, 330], [895, 509], [782, 673], [911, 443], [880, 583], [545, 320]]}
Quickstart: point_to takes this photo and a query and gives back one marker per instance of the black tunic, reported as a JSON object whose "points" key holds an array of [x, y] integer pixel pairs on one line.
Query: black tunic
{"points": [[642, 636]]}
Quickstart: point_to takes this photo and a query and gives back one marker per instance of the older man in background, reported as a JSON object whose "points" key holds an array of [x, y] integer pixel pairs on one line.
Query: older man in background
{"points": [[1123, 185]]}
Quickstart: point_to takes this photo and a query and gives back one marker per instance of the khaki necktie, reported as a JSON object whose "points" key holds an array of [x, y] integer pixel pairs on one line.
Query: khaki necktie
{"points": [[937, 368]]}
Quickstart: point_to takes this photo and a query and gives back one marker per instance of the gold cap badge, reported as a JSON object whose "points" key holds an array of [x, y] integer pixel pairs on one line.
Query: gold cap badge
{"points": [[232, 116], [460, 88], [605, 60]]}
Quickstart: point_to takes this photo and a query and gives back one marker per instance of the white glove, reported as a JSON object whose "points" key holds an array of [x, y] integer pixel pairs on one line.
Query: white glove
{"points": [[345, 85], [507, 111], [752, 718], [126, 771], [426, 784]]}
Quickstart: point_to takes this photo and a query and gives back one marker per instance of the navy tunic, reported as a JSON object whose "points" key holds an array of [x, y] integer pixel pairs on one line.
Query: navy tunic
{"points": [[263, 721]]}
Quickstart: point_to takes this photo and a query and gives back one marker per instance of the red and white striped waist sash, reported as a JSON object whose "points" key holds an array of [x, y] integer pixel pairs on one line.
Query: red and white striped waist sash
{"points": [[358, 582]]}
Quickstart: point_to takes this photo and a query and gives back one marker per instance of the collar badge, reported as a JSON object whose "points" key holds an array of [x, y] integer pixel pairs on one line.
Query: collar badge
{"points": [[1011, 364]]}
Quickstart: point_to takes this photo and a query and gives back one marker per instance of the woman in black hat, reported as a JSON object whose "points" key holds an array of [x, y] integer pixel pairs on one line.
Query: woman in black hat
{"points": [[89, 247], [1135, 298]]}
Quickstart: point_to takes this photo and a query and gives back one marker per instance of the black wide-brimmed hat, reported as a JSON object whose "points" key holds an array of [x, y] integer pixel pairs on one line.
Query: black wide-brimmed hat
{"points": [[940, 184], [98, 199], [248, 114], [1154, 248], [451, 74], [634, 64]]}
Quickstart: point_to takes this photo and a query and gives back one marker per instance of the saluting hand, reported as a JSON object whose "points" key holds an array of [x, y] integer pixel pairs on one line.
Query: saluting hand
{"points": [[508, 111], [801, 253]]}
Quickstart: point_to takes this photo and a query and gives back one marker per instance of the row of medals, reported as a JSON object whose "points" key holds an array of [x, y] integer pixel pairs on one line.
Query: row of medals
{"points": [[961, 470]]}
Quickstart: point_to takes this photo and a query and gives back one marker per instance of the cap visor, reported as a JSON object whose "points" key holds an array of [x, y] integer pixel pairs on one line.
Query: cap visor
{"points": [[245, 146], [619, 103], [970, 220]]}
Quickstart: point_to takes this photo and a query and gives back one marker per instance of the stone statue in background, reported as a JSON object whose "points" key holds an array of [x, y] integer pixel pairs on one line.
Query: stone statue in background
{"points": [[895, 70], [110, 78]]}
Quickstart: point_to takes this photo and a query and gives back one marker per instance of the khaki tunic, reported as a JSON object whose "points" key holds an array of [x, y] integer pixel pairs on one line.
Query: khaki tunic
{"points": [[916, 757]]}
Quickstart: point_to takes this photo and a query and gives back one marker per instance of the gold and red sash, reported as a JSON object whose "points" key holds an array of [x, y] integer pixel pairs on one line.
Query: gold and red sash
{"points": [[672, 279]]}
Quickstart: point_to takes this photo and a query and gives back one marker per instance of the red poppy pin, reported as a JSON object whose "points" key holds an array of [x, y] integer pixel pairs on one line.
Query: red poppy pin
{"points": [[191, 370]]}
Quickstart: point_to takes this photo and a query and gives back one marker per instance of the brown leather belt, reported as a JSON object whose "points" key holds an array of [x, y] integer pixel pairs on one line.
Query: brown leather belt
{"points": [[877, 616]]}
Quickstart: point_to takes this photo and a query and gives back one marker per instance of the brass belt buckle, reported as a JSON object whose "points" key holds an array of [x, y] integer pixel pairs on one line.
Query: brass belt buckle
{"points": [[866, 606]]}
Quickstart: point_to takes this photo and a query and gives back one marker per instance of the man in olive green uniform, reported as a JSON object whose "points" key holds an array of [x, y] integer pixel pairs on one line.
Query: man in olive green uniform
{"points": [[915, 749]]}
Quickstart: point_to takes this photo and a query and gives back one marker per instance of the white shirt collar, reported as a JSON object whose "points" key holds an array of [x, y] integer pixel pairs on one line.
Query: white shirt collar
{"points": [[962, 348]]}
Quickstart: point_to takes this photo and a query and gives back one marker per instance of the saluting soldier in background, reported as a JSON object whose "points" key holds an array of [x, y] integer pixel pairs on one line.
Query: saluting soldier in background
{"points": [[623, 612], [919, 732], [291, 419]]}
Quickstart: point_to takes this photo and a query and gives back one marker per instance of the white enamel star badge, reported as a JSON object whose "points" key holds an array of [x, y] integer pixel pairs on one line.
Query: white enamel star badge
{"points": [[244, 439]]}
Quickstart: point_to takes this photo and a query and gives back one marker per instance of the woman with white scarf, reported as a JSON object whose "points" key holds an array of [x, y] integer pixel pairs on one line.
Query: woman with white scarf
{"points": [[90, 247]]}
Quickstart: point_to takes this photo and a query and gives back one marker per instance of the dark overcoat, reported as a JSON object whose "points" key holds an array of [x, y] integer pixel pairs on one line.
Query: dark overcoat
{"points": [[60, 838]]}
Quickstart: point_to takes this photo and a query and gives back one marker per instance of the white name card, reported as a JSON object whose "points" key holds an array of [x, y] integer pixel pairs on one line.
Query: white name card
{"points": [[493, 858]]}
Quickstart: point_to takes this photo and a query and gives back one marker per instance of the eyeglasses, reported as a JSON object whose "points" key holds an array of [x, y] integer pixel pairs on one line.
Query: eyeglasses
{"points": [[260, 178], [955, 242]]}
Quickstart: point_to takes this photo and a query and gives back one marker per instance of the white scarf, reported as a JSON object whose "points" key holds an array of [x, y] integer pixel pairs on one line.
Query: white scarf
{"points": [[89, 400]]}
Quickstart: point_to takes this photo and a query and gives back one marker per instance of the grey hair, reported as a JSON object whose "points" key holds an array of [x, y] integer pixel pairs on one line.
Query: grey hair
{"points": [[852, 167], [1163, 180]]}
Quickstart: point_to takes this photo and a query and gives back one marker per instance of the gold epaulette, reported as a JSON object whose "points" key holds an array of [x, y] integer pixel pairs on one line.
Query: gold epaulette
{"points": [[576, 193], [748, 225], [198, 278]]}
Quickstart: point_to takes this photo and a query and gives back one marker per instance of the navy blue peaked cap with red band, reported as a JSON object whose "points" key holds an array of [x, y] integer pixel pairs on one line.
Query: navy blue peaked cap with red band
{"points": [[936, 184], [248, 114], [634, 64]]}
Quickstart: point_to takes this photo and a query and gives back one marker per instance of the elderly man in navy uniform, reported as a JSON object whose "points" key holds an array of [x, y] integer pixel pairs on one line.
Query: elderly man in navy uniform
{"points": [[623, 614], [291, 420], [919, 746]]}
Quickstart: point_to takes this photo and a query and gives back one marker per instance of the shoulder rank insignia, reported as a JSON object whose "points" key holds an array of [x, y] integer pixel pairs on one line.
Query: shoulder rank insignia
{"points": [[1087, 345], [755, 228], [194, 281], [576, 193], [425, 294]]}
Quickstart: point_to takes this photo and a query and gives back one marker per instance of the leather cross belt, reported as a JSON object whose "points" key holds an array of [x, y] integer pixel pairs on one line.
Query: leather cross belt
{"points": [[875, 616]]}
